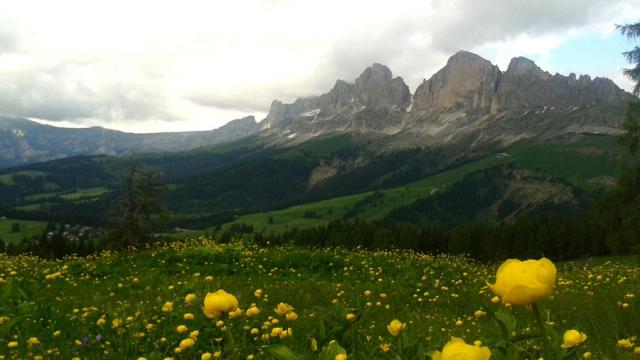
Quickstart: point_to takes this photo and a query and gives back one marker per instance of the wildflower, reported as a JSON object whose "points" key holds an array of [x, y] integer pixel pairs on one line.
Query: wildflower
{"points": [[186, 343], [206, 356], [12, 344], [181, 328], [167, 307], [351, 317], [253, 311], [219, 302], [586, 355], [292, 316], [283, 308], [524, 282], [457, 349], [573, 338], [395, 327], [188, 316], [32, 341], [341, 357], [258, 293], [625, 343], [189, 298]]}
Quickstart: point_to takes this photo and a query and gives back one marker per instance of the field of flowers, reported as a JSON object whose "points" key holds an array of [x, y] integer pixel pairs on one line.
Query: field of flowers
{"points": [[201, 300]]}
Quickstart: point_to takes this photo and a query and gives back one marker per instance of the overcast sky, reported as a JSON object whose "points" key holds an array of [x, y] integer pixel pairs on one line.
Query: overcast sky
{"points": [[148, 66]]}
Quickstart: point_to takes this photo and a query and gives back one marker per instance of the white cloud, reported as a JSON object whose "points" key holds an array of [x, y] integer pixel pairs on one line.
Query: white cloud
{"points": [[156, 66]]}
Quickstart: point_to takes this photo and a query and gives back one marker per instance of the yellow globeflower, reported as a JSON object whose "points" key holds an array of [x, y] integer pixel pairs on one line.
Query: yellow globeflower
{"points": [[395, 327], [457, 349], [283, 308], [167, 307], [188, 299], [253, 311], [218, 303], [181, 328], [341, 357], [187, 343], [292, 316], [572, 338], [524, 282], [206, 356]]}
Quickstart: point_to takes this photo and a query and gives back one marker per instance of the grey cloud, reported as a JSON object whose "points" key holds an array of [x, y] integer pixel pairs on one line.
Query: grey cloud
{"points": [[59, 93], [10, 36]]}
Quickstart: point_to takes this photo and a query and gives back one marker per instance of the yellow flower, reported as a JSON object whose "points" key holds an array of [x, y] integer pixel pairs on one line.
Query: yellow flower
{"points": [[586, 355], [181, 328], [188, 316], [253, 311], [236, 313], [258, 293], [189, 298], [283, 309], [167, 307], [101, 321], [292, 316], [341, 357], [33, 341], [115, 323], [524, 282], [206, 356], [572, 338], [187, 343], [12, 344], [218, 303], [457, 349], [351, 317], [395, 327]]}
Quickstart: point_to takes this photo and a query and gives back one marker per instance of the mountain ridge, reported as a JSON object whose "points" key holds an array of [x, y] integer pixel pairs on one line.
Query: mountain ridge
{"points": [[25, 141]]}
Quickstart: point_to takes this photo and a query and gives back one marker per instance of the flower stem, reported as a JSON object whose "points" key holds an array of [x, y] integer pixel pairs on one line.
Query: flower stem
{"points": [[546, 346]]}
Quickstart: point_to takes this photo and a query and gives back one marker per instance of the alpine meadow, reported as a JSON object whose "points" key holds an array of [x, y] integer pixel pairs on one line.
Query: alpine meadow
{"points": [[480, 207]]}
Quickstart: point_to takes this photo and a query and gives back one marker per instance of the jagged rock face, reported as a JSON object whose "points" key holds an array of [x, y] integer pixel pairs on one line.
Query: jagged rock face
{"points": [[467, 83], [472, 84], [375, 88], [525, 86]]}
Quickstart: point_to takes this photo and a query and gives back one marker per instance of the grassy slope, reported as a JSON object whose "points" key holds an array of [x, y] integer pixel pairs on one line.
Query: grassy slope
{"points": [[581, 163], [28, 229], [419, 291]]}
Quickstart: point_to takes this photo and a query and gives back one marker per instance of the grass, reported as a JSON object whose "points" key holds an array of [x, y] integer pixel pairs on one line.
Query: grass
{"points": [[28, 229], [585, 163], [110, 306], [83, 194], [7, 179], [581, 163], [333, 209]]}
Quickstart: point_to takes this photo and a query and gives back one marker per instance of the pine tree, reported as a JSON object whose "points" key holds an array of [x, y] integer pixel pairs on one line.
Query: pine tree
{"points": [[132, 210]]}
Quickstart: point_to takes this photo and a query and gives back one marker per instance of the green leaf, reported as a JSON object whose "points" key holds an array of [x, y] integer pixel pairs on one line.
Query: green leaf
{"points": [[506, 321], [330, 351], [281, 352]]}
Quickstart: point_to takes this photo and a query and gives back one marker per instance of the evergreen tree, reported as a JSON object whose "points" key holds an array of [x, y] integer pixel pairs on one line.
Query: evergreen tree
{"points": [[132, 210]]}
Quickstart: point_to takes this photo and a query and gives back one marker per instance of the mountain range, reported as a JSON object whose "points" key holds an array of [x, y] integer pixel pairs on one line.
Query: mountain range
{"points": [[469, 103]]}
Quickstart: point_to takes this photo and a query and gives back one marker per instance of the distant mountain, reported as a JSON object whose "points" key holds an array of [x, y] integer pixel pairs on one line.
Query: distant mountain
{"points": [[23, 141], [469, 103]]}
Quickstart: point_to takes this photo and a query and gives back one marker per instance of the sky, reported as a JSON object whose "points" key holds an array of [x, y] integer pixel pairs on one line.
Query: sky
{"points": [[150, 66]]}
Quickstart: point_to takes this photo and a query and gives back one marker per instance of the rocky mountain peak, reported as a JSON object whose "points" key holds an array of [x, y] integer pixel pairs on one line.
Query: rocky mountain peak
{"points": [[467, 82], [374, 73], [375, 88], [521, 65]]}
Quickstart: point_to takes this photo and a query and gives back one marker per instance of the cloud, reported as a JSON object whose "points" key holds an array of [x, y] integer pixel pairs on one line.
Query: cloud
{"points": [[199, 64]]}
